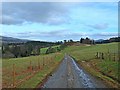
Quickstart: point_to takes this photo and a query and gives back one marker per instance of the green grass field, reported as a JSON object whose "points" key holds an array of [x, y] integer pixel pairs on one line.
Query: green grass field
{"points": [[86, 56], [22, 65], [43, 50], [88, 52]]}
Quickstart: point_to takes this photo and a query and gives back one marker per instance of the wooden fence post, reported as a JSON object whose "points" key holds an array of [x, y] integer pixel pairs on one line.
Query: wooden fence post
{"points": [[13, 75], [30, 67], [114, 56], [97, 55], [43, 62], [109, 57], [102, 55], [46, 61], [118, 57], [38, 64]]}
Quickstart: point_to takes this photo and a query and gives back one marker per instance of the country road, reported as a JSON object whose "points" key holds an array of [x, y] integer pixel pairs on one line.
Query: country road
{"points": [[70, 75]]}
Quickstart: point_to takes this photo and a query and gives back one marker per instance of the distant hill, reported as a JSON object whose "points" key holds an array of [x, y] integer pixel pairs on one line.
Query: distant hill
{"points": [[113, 39], [12, 40]]}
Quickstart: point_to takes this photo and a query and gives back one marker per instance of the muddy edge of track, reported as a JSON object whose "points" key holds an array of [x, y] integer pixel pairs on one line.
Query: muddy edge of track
{"points": [[70, 75]]}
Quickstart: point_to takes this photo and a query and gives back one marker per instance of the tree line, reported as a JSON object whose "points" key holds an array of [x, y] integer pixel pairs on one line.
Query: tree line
{"points": [[16, 50], [113, 39]]}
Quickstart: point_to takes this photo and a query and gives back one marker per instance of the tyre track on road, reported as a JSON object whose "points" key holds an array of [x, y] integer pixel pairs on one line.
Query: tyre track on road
{"points": [[70, 75]]}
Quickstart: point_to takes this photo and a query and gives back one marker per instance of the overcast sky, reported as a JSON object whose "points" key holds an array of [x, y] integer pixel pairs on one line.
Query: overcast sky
{"points": [[58, 21]]}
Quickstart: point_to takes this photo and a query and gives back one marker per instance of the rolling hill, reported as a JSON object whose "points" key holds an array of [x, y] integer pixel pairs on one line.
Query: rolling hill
{"points": [[12, 40]]}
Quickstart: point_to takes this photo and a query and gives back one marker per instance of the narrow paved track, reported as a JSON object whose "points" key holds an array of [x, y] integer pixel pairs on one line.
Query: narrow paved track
{"points": [[71, 75]]}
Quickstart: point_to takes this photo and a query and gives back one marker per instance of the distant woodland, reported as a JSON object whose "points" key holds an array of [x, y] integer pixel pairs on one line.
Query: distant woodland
{"points": [[11, 50], [15, 50]]}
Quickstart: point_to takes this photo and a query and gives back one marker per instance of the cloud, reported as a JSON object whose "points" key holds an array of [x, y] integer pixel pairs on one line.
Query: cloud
{"points": [[49, 36], [112, 34], [54, 21], [101, 26], [62, 34], [55, 33], [38, 12], [10, 20], [104, 35]]}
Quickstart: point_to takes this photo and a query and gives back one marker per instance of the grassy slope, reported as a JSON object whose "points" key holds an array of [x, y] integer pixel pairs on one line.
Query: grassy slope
{"points": [[41, 75], [88, 52], [22, 64], [43, 50], [80, 53], [85, 55]]}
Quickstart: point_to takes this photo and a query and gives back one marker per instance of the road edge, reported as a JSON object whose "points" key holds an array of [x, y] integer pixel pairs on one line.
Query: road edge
{"points": [[49, 74], [111, 84]]}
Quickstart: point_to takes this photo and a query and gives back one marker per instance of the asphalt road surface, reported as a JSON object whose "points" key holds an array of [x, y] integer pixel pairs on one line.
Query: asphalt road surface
{"points": [[70, 75]]}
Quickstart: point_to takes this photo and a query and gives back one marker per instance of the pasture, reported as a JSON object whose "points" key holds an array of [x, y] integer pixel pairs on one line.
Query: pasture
{"points": [[43, 50], [86, 57], [28, 71]]}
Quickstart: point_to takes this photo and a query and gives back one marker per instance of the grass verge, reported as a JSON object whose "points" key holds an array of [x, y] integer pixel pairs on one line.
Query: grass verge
{"points": [[21, 64], [106, 69]]}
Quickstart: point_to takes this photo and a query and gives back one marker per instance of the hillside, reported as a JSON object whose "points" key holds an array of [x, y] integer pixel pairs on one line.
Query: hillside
{"points": [[105, 67], [12, 40]]}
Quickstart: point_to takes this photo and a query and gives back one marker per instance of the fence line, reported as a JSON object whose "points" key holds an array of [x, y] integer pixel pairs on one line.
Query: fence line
{"points": [[107, 56], [28, 73], [13, 75]]}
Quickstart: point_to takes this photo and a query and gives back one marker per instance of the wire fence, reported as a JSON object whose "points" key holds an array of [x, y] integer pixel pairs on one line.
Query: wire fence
{"points": [[15, 75], [107, 56]]}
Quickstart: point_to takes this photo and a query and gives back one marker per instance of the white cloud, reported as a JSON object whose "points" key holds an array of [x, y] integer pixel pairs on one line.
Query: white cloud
{"points": [[61, 35], [55, 21], [100, 26], [17, 13]]}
